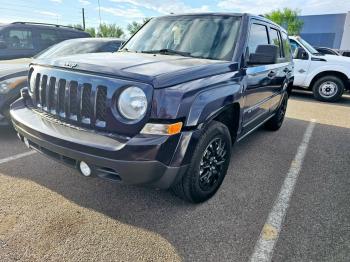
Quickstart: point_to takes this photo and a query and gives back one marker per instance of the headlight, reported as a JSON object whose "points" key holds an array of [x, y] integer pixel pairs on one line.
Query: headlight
{"points": [[132, 103]]}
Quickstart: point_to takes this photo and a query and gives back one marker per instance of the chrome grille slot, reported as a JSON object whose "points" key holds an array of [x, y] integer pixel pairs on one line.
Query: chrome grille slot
{"points": [[86, 108], [73, 101], [100, 106], [36, 89], [61, 97], [51, 96], [42, 95]]}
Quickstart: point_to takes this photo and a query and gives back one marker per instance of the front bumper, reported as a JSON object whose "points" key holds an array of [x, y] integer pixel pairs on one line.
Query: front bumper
{"points": [[144, 159]]}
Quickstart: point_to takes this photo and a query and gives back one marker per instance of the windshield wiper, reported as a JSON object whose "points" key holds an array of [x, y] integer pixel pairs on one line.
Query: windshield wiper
{"points": [[166, 51]]}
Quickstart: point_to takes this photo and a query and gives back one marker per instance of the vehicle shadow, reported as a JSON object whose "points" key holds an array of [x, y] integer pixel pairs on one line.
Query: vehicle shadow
{"points": [[307, 96], [225, 226]]}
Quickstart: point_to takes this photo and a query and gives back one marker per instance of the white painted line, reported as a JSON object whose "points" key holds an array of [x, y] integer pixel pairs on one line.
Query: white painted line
{"points": [[11, 158], [268, 238]]}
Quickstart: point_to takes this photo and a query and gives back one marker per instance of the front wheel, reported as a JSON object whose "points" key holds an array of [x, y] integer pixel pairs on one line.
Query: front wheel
{"points": [[328, 89], [208, 167]]}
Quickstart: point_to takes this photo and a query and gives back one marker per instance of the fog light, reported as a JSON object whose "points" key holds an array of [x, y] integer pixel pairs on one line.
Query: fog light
{"points": [[26, 142], [85, 169]]}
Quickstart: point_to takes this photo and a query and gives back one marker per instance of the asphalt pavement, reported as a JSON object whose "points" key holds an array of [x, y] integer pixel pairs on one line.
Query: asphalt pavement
{"points": [[49, 212]]}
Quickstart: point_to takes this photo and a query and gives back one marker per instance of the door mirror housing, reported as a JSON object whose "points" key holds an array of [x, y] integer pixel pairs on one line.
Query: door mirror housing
{"points": [[3, 44], [264, 55], [300, 53]]}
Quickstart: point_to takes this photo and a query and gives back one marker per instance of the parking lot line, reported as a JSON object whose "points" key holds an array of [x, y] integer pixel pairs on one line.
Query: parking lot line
{"points": [[264, 247], [18, 156]]}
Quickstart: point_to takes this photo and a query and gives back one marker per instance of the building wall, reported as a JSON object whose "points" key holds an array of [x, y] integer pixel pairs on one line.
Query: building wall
{"points": [[324, 30], [345, 43]]}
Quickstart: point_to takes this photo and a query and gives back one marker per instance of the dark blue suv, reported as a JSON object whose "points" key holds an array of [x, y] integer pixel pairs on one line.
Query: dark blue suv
{"points": [[166, 109]]}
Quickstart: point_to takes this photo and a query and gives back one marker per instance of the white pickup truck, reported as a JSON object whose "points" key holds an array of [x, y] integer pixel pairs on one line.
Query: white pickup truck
{"points": [[328, 76]]}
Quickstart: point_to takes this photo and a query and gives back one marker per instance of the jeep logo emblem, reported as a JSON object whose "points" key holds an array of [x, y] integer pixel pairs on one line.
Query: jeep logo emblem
{"points": [[70, 65]]}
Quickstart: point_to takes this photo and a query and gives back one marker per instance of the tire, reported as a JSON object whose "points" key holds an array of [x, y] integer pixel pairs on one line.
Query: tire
{"points": [[276, 121], [328, 89], [201, 182]]}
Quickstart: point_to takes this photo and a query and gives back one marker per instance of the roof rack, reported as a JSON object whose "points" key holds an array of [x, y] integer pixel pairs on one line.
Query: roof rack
{"points": [[35, 23]]}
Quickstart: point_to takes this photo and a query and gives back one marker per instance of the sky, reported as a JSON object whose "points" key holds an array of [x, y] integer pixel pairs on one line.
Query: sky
{"points": [[123, 12]]}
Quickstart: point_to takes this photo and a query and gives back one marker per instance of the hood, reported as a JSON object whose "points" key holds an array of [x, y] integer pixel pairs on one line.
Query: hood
{"points": [[336, 59], [12, 70], [156, 69]]}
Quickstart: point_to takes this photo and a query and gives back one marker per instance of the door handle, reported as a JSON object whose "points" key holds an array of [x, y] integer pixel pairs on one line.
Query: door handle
{"points": [[271, 74]]}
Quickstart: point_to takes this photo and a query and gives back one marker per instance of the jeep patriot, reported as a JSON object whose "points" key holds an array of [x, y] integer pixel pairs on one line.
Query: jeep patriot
{"points": [[166, 109]]}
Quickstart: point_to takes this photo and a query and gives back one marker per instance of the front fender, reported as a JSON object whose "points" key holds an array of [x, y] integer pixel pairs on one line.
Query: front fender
{"points": [[198, 100], [331, 67]]}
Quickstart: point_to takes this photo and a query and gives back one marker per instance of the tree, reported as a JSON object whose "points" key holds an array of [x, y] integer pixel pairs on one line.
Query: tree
{"points": [[111, 30], [91, 31], [135, 26], [287, 18]]}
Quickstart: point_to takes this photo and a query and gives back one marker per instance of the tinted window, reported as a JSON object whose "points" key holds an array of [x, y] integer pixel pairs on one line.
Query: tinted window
{"points": [[294, 46], [47, 38], [111, 47], [276, 40], [19, 39], [258, 36], [71, 47], [211, 37], [286, 46]]}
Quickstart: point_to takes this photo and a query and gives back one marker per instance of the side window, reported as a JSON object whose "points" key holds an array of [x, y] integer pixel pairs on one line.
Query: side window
{"points": [[258, 36], [276, 40], [294, 46], [47, 38], [286, 46], [19, 39]]}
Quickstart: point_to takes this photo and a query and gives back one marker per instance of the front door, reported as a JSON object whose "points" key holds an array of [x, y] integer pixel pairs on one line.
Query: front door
{"points": [[301, 66]]}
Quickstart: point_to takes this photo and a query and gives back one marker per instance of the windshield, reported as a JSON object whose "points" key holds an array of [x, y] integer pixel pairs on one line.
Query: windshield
{"points": [[71, 48], [209, 37], [309, 47]]}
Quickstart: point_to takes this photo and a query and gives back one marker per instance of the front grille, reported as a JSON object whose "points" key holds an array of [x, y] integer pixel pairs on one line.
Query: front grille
{"points": [[71, 100]]}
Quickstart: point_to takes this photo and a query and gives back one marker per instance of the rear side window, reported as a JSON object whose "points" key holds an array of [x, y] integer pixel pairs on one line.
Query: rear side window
{"points": [[258, 36], [286, 46], [276, 40], [47, 38], [19, 39]]}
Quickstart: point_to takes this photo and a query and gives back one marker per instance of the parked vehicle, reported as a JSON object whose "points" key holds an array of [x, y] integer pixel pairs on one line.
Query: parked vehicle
{"points": [[326, 75], [24, 39], [14, 77], [164, 110], [327, 51]]}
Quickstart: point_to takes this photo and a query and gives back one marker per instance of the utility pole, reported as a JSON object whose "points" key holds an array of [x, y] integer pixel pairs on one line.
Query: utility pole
{"points": [[83, 13], [99, 11]]}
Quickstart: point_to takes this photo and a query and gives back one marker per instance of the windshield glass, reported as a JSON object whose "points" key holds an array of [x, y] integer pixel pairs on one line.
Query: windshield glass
{"points": [[210, 37], [71, 48], [309, 47]]}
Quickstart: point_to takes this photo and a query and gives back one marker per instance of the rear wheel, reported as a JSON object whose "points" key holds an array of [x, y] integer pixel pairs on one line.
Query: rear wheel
{"points": [[208, 167], [328, 89]]}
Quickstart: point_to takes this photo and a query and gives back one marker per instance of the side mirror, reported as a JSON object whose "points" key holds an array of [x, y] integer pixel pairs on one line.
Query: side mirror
{"points": [[300, 53], [264, 55], [3, 44]]}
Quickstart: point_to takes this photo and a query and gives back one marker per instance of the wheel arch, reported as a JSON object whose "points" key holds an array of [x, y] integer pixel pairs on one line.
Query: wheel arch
{"points": [[341, 75]]}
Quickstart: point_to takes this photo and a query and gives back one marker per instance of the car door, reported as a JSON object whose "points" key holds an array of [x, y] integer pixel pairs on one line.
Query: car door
{"points": [[282, 67], [261, 80], [18, 43], [301, 64]]}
